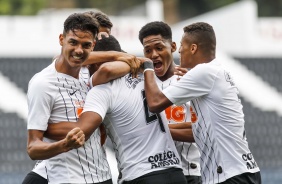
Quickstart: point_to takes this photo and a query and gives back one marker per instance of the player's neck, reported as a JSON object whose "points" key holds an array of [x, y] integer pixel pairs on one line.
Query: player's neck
{"points": [[63, 67], [169, 73]]}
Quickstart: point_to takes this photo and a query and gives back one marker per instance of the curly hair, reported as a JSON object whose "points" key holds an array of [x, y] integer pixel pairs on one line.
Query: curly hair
{"points": [[82, 22], [202, 33], [155, 28]]}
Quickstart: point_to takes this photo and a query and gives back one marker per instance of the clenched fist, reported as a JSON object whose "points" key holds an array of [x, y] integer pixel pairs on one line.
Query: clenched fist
{"points": [[74, 139]]}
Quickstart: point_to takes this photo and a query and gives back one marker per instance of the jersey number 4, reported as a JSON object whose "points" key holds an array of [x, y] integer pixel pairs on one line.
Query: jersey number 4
{"points": [[151, 117]]}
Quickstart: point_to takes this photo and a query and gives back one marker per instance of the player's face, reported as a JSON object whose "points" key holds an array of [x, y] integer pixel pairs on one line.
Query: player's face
{"points": [[186, 52], [160, 50], [76, 46]]}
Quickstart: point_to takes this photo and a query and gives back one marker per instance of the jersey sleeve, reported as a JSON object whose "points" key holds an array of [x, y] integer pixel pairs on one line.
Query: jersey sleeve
{"points": [[40, 102], [98, 100], [195, 83]]}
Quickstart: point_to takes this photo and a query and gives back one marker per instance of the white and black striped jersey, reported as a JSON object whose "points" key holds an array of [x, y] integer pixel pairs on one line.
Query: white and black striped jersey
{"points": [[189, 153], [54, 97], [141, 140], [40, 168], [219, 131]]}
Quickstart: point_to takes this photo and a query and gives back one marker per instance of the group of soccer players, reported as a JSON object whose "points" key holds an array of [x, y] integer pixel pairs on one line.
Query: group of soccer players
{"points": [[168, 125]]}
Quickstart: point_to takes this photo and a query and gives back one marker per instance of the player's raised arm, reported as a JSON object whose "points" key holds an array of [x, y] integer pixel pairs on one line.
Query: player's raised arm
{"points": [[156, 100], [109, 71]]}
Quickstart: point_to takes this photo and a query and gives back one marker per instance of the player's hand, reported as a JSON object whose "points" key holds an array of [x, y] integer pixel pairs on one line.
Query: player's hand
{"points": [[142, 60], [180, 71], [102, 34], [132, 61], [74, 139]]}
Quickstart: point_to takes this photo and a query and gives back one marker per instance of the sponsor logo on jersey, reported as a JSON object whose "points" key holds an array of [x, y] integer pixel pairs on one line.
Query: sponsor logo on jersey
{"points": [[178, 114], [250, 161], [163, 159], [72, 93], [79, 107]]}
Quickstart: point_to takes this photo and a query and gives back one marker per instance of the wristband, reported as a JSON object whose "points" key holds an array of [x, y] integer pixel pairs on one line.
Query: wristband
{"points": [[148, 69], [147, 65]]}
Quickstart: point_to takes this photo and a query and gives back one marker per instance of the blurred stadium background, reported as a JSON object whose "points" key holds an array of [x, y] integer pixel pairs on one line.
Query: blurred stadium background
{"points": [[249, 35]]}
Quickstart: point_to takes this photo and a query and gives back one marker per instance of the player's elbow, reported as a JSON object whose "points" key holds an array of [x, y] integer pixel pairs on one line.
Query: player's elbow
{"points": [[154, 108], [31, 153], [105, 69]]}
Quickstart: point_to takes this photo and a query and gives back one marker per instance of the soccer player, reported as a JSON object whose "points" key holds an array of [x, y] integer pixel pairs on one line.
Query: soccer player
{"points": [[38, 174], [144, 148], [219, 131], [57, 93], [156, 38]]}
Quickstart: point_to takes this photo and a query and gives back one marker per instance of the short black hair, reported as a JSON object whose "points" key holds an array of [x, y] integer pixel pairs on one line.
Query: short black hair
{"points": [[107, 44], [82, 22], [203, 34], [102, 18], [155, 28]]}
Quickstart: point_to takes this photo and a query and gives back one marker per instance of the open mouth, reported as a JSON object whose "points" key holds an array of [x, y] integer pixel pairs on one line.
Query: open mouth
{"points": [[157, 65]]}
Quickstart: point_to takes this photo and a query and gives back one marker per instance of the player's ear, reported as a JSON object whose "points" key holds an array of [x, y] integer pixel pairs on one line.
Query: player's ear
{"points": [[173, 47], [193, 48], [61, 39]]}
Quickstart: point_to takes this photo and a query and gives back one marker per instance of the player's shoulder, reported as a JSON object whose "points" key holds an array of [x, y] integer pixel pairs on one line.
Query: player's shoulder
{"points": [[210, 68], [42, 79]]}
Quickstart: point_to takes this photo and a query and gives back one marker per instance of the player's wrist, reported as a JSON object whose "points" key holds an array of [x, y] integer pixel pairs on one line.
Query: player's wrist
{"points": [[148, 66]]}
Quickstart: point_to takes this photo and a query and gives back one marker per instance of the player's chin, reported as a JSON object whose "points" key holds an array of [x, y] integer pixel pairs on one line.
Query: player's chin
{"points": [[77, 62]]}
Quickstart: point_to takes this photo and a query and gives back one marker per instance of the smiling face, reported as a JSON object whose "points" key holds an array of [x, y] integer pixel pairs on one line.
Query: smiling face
{"points": [[76, 47], [160, 50]]}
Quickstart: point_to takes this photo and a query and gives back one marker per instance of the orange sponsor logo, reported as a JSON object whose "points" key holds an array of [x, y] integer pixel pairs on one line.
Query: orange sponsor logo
{"points": [[79, 111], [194, 116], [79, 107], [175, 113]]}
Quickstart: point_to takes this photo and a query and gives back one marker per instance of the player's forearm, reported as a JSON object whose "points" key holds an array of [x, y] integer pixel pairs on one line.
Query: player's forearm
{"points": [[58, 131], [103, 56], [156, 100], [39, 150], [184, 135], [180, 125], [110, 71]]}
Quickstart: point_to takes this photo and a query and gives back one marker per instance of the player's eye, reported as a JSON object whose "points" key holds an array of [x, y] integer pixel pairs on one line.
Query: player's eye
{"points": [[159, 48], [147, 51], [87, 46], [72, 42]]}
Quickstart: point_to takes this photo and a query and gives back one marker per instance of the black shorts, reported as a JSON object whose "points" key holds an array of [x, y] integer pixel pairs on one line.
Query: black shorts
{"points": [[104, 182], [245, 178], [193, 179], [34, 178], [167, 176]]}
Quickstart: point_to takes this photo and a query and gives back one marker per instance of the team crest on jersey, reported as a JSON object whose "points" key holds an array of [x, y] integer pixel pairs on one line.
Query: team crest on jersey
{"points": [[132, 82]]}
